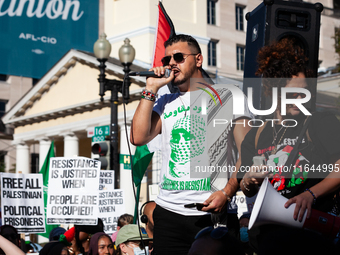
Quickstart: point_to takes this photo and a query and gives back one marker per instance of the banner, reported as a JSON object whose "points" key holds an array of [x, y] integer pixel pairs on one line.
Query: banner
{"points": [[36, 34], [22, 202], [73, 191]]}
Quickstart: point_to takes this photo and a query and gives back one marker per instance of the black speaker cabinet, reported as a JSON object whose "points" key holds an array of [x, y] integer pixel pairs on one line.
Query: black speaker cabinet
{"points": [[271, 21]]}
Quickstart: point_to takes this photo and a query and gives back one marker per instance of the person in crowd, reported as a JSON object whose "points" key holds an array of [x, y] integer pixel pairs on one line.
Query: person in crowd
{"points": [[82, 236], [11, 234], [244, 222], [129, 241], [215, 241], [147, 218], [55, 248], [319, 147], [55, 233], [68, 239], [9, 248], [171, 117], [101, 244], [123, 220]]}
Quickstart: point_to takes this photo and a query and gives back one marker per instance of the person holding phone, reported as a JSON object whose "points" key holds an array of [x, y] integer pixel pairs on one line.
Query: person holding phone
{"points": [[179, 122]]}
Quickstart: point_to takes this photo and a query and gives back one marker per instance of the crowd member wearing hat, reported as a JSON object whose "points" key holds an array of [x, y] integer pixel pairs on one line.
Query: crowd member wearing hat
{"points": [[101, 244], [123, 220], [55, 233], [129, 242]]}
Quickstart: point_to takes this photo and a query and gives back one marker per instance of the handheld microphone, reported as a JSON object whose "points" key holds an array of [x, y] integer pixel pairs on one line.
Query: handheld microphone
{"points": [[151, 74]]}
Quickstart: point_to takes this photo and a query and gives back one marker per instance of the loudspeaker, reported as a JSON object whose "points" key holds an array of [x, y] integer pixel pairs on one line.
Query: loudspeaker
{"points": [[269, 209], [274, 20]]}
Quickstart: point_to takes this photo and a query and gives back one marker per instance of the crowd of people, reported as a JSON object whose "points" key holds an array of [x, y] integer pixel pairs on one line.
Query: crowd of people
{"points": [[129, 239], [198, 214]]}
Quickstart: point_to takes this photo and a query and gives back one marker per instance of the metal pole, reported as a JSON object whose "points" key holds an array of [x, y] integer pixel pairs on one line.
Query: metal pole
{"points": [[114, 155]]}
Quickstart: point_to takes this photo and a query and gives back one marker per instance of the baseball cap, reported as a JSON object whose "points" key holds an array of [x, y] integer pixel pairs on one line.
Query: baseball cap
{"points": [[130, 232]]}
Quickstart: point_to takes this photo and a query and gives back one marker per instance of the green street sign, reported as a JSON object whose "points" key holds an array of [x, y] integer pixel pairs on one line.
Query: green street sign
{"points": [[125, 159], [100, 133]]}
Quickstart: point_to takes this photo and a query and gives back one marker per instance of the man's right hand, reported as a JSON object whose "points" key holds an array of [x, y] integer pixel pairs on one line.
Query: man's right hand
{"points": [[154, 84]]}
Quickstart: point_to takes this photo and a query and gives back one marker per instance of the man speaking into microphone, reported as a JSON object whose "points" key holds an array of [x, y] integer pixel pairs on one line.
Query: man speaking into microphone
{"points": [[175, 226]]}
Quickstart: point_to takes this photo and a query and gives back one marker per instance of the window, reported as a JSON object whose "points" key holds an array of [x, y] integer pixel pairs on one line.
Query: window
{"points": [[212, 53], [2, 161], [34, 163], [240, 57], [239, 17], [211, 8], [3, 107]]}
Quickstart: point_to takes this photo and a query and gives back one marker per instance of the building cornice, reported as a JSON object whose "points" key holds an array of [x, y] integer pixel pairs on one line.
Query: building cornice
{"points": [[73, 127], [15, 116]]}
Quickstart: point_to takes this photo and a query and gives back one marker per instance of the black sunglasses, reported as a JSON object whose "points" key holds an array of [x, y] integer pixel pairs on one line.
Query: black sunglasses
{"points": [[295, 95], [215, 233], [178, 57]]}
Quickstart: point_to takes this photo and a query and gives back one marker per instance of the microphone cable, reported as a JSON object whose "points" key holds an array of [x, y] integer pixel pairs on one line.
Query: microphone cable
{"points": [[131, 161]]}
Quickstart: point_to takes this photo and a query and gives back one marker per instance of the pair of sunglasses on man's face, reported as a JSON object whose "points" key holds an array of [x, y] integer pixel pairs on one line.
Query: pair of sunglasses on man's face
{"points": [[178, 57]]}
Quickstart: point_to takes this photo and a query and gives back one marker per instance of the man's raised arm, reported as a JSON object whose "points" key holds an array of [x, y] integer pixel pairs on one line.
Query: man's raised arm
{"points": [[146, 124]]}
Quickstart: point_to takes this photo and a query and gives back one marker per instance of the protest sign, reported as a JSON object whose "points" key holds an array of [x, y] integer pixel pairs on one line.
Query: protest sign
{"points": [[111, 201], [22, 202], [107, 180], [245, 204], [73, 191]]}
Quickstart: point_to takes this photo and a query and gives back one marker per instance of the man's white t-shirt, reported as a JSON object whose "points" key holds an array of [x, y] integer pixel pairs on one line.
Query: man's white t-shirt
{"points": [[191, 142]]}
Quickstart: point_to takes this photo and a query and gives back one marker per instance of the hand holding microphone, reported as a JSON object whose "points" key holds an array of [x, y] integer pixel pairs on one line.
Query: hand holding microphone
{"points": [[158, 79]]}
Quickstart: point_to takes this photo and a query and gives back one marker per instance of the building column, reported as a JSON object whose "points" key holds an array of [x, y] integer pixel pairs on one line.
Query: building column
{"points": [[71, 145], [23, 158], [44, 146], [125, 174]]}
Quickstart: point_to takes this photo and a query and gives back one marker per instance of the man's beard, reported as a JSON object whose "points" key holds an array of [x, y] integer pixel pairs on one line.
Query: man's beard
{"points": [[186, 77]]}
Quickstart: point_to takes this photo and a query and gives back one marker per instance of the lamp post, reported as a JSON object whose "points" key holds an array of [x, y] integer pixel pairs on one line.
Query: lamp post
{"points": [[102, 50]]}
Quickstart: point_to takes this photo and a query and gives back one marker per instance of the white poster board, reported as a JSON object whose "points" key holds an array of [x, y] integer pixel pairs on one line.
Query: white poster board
{"points": [[111, 201], [73, 191], [22, 202], [245, 204]]}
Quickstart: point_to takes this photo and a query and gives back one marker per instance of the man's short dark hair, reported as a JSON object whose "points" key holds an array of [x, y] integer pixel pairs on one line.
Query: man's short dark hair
{"points": [[184, 38]]}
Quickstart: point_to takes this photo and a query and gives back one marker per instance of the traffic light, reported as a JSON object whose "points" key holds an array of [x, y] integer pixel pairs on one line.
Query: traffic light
{"points": [[101, 151]]}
